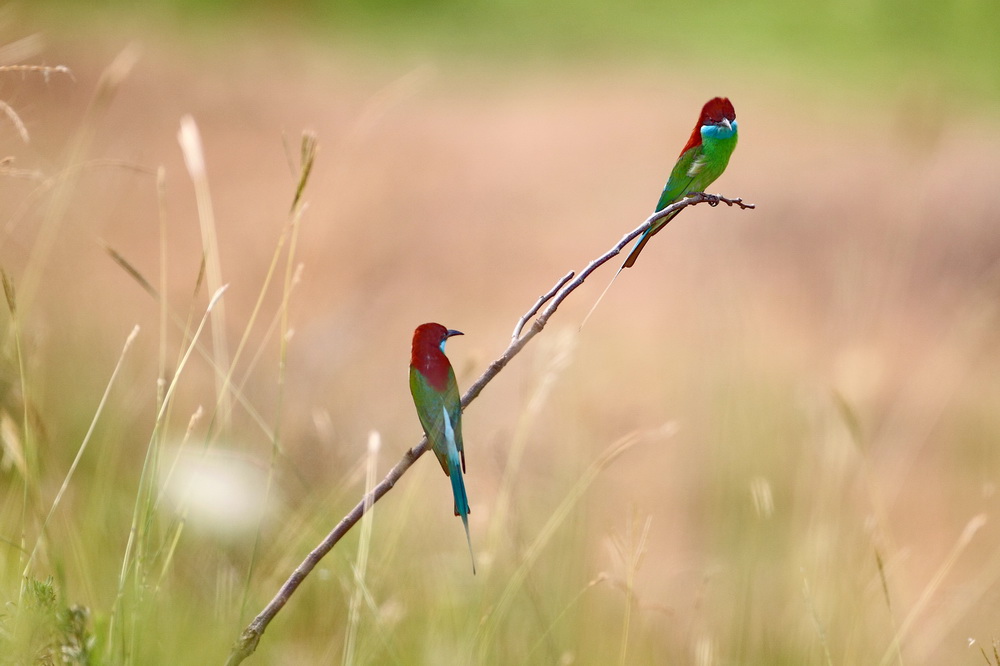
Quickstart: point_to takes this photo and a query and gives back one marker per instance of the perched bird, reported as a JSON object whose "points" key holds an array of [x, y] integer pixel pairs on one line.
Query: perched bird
{"points": [[435, 393], [703, 159]]}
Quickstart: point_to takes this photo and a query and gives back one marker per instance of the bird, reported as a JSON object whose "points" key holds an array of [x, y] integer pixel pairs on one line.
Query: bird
{"points": [[702, 160], [435, 394]]}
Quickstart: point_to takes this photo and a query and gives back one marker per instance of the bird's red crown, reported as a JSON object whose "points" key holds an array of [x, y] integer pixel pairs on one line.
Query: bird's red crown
{"points": [[714, 111]]}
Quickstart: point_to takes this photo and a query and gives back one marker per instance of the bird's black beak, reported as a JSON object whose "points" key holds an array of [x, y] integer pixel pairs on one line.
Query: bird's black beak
{"points": [[452, 332]]}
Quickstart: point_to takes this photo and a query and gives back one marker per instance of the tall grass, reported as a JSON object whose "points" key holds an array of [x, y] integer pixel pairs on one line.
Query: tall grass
{"points": [[865, 46], [152, 499], [133, 624]]}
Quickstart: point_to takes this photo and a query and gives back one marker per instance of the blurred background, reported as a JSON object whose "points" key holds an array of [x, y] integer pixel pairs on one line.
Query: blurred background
{"points": [[808, 392]]}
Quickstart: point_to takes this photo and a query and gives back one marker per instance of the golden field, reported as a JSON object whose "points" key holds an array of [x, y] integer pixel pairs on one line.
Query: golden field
{"points": [[811, 388]]}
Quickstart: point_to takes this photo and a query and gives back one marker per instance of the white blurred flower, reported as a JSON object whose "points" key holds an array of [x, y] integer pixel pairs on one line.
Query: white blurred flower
{"points": [[215, 490]]}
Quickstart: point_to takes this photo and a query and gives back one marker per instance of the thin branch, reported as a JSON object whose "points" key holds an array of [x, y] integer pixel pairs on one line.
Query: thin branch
{"points": [[246, 644], [696, 198], [542, 300]]}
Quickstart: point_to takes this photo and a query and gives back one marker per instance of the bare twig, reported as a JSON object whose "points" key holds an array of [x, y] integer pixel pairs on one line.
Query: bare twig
{"points": [[542, 300], [246, 644], [563, 290]]}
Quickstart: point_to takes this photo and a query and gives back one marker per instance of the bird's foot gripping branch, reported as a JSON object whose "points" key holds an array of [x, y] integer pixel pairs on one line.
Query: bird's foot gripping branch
{"points": [[714, 200]]}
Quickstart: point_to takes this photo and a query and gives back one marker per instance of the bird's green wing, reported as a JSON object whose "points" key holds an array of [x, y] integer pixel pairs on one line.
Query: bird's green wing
{"points": [[679, 184], [432, 405]]}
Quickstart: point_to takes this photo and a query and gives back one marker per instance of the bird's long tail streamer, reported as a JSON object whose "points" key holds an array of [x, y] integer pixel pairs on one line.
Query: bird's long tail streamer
{"points": [[462, 505], [600, 298], [465, 521]]}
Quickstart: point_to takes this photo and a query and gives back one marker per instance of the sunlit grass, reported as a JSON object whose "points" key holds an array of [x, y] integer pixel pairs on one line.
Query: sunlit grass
{"points": [[812, 500], [861, 45]]}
